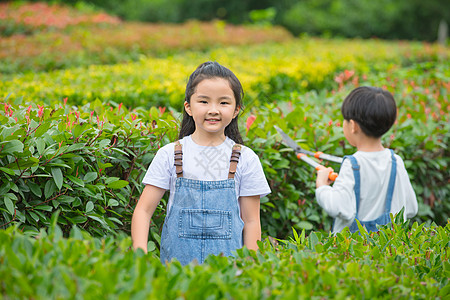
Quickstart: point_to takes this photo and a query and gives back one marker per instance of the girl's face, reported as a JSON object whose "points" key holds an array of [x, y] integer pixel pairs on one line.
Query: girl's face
{"points": [[212, 107]]}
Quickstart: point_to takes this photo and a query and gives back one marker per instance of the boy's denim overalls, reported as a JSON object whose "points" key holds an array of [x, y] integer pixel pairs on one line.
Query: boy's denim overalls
{"points": [[204, 218], [384, 218]]}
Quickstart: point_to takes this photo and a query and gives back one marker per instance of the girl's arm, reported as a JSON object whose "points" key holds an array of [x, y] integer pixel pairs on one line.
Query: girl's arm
{"points": [[250, 216], [140, 222]]}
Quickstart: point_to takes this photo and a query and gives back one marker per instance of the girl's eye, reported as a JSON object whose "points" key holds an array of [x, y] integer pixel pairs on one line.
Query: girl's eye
{"points": [[203, 101], [224, 103]]}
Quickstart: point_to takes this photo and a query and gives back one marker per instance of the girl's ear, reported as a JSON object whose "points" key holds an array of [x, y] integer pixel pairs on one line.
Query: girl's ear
{"points": [[236, 111], [187, 107]]}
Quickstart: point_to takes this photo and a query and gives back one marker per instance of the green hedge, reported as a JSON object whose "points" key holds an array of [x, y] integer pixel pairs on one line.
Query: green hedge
{"points": [[396, 263], [264, 70], [87, 162], [69, 162]]}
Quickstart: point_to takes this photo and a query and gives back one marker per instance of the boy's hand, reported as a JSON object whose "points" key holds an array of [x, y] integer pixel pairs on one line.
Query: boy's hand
{"points": [[322, 177]]}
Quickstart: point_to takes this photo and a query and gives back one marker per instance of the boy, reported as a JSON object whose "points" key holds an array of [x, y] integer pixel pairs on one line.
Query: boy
{"points": [[372, 182]]}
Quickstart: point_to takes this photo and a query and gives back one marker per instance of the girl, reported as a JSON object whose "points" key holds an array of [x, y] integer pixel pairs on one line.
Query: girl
{"points": [[215, 183]]}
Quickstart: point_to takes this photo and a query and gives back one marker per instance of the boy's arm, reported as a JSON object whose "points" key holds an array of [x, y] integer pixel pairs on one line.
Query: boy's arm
{"points": [[140, 222], [409, 195], [338, 200], [252, 225]]}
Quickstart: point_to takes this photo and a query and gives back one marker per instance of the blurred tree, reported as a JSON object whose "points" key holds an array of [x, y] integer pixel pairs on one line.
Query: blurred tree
{"points": [[391, 19]]}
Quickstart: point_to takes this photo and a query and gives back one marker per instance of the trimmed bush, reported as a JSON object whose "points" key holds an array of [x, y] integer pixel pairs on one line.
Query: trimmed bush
{"points": [[395, 263], [87, 162]]}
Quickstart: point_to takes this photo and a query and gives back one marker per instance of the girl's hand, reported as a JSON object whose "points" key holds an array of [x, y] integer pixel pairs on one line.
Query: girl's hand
{"points": [[322, 177]]}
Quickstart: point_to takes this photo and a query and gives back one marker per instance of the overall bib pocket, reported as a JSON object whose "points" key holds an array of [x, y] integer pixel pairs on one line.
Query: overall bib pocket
{"points": [[204, 224]]}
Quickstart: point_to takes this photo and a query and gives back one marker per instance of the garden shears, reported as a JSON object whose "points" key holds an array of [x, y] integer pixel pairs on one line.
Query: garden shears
{"points": [[303, 154]]}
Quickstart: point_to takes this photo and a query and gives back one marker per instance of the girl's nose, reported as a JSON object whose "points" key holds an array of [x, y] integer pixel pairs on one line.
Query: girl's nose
{"points": [[213, 109]]}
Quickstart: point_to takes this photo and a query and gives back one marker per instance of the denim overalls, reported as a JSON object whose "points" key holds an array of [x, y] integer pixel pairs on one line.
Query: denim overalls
{"points": [[384, 218], [204, 218]]}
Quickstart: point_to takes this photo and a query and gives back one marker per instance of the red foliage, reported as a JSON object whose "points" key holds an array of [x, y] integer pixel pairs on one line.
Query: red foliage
{"points": [[43, 15]]}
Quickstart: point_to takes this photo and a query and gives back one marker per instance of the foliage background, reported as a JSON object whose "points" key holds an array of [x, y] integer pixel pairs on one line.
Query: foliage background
{"points": [[88, 98], [388, 19], [78, 131]]}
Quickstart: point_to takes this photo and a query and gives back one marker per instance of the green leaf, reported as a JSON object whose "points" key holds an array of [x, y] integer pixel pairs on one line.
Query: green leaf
{"points": [[90, 176], [24, 163], [89, 206], [34, 216], [113, 202], [305, 225], [445, 291], [313, 240], [75, 233], [79, 219], [154, 113], [43, 128], [76, 180], [118, 184], [5, 187], [104, 166], [35, 188], [7, 171], [49, 188], [44, 207], [98, 220], [103, 144], [75, 147], [59, 165], [119, 151], [40, 145], [111, 179], [9, 204], [361, 229], [10, 147], [115, 220], [78, 130], [65, 199], [319, 248], [57, 177], [151, 246]]}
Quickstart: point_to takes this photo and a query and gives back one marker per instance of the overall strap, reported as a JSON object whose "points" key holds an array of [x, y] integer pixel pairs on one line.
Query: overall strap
{"points": [[235, 154], [355, 167], [391, 185], [178, 161]]}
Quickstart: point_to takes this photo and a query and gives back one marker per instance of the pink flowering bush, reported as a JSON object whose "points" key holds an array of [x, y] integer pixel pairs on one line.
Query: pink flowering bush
{"points": [[41, 16]]}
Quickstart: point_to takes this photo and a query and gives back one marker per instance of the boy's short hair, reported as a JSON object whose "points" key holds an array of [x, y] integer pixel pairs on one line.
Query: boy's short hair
{"points": [[373, 108]]}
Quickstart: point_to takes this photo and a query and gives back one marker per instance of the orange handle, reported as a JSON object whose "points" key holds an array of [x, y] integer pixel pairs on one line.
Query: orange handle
{"points": [[318, 154], [332, 175]]}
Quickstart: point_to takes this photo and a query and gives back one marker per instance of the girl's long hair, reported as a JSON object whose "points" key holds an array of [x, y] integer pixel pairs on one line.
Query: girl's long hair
{"points": [[210, 70]]}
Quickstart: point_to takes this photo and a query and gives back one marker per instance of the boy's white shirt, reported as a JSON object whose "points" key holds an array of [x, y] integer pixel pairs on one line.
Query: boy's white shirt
{"points": [[339, 200], [207, 163]]}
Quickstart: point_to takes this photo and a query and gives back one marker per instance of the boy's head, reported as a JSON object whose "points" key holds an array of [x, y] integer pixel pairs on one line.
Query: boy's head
{"points": [[372, 108]]}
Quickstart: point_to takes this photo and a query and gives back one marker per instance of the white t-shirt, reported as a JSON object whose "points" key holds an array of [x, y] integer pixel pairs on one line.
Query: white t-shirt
{"points": [[207, 163], [339, 200]]}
